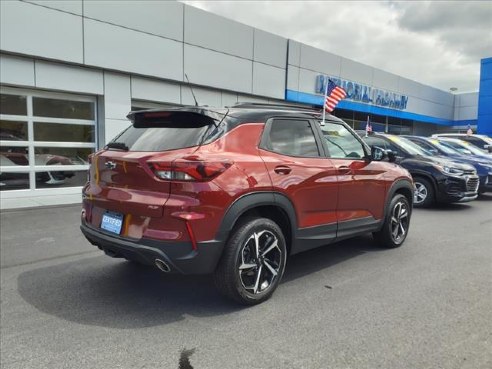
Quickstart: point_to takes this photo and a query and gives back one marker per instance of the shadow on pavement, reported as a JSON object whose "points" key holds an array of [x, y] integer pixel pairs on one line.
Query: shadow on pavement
{"points": [[115, 293], [309, 262], [485, 197], [449, 207]]}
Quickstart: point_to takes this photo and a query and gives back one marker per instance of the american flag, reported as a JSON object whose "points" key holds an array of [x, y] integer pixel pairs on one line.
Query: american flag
{"points": [[333, 95], [368, 126]]}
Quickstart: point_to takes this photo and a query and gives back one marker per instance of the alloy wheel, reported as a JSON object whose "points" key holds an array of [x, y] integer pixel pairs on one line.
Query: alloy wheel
{"points": [[399, 221], [420, 193], [260, 261]]}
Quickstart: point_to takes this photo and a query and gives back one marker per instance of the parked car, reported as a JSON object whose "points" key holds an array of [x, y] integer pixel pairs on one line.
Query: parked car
{"points": [[483, 166], [234, 191], [11, 156], [464, 147], [483, 142], [17, 156], [436, 179]]}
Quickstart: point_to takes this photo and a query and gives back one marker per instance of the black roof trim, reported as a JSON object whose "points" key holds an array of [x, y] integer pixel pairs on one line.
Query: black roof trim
{"points": [[215, 114], [269, 106]]}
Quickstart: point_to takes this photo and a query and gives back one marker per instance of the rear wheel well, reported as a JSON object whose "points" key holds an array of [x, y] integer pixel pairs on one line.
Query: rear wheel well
{"points": [[274, 213]]}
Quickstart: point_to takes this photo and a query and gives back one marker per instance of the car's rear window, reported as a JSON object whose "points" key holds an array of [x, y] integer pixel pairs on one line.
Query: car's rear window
{"points": [[168, 130], [162, 138]]}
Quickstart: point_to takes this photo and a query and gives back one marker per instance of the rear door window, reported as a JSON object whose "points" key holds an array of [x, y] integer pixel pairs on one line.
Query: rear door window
{"points": [[292, 137]]}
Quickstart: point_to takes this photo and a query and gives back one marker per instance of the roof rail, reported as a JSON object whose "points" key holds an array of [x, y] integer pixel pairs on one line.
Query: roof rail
{"points": [[251, 105]]}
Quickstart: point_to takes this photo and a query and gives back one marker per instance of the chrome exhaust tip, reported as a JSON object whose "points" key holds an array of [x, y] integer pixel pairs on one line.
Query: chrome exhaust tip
{"points": [[162, 265]]}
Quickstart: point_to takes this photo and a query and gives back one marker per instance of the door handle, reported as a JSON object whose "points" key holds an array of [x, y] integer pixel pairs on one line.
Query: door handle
{"points": [[344, 170], [282, 169]]}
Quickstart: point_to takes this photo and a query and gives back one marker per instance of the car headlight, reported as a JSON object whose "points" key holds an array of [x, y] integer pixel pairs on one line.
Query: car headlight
{"points": [[450, 170]]}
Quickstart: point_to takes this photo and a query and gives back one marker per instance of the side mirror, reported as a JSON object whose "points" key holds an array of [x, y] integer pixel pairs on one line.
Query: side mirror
{"points": [[489, 148], [377, 153]]}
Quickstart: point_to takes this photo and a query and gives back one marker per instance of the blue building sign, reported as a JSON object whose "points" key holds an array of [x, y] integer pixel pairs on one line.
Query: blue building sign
{"points": [[363, 93]]}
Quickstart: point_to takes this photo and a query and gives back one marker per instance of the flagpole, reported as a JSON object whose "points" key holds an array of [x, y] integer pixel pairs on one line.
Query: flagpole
{"points": [[324, 102]]}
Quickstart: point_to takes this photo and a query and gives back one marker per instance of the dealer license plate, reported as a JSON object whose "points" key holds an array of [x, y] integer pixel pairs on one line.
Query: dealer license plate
{"points": [[112, 222]]}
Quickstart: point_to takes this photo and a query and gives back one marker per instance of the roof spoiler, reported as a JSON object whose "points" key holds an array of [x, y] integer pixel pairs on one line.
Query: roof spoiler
{"points": [[183, 115]]}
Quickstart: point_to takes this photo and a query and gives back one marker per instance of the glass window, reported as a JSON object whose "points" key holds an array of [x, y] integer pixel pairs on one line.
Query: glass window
{"points": [[61, 155], [63, 132], [426, 146], [474, 141], [376, 141], [11, 156], [13, 104], [67, 178], [64, 141], [293, 138], [162, 138], [13, 131], [444, 148], [341, 142], [43, 107], [14, 181], [406, 146]]}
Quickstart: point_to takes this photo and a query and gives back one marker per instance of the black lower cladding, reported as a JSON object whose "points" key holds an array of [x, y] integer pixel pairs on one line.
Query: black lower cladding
{"points": [[454, 189], [180, 256]]}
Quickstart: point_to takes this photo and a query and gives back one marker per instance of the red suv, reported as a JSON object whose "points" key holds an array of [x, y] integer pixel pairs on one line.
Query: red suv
{"points": [[235, 191]]}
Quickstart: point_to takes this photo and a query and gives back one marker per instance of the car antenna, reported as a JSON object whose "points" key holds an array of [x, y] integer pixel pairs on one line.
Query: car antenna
{"points": [[191, 88]]}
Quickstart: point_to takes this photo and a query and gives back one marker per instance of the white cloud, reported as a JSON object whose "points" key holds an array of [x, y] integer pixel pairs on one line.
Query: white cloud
{"points": [[436, 43]]}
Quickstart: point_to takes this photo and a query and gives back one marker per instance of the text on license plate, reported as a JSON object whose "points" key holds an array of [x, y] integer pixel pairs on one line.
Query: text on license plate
{"points": [[112, 222]]}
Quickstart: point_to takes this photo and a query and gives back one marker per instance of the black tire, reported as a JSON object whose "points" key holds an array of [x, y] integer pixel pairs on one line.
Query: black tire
{"points": [[247, 276], [396, 224], [424, 193]]}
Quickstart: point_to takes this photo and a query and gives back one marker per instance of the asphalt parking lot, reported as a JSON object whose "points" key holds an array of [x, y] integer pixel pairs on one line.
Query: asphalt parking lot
{"points": [[349, 305]]}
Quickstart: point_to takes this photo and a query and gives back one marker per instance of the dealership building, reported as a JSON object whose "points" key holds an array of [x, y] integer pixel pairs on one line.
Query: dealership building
{"points": [[70, 71]]}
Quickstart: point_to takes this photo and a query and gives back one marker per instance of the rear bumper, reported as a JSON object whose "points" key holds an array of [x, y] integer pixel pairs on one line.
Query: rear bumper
{"points": [[180, 256]]}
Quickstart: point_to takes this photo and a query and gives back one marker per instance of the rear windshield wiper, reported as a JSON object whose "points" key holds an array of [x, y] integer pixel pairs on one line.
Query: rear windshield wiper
{"points": [[117, 145]]}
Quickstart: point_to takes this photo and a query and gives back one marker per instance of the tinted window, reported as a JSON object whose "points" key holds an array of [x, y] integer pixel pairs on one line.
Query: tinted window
{"points": [[13, 104], [162, 138], [376, 141], [43, 107], [341, 142], [293, 138], [474, 141], [13, 131], [429, 149], [63, 132]]}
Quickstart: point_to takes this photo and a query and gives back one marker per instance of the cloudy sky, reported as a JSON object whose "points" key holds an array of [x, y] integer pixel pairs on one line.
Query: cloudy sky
{"points": [[439, 43]]}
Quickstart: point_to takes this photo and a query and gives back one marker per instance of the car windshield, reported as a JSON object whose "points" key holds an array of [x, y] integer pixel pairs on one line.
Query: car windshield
{"points": [[408, 146], [446, 149], [463, 146]]}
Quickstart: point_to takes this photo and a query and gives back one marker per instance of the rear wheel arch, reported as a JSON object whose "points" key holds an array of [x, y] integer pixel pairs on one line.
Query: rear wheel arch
{"points": [[403, 187], [274, 206]]}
